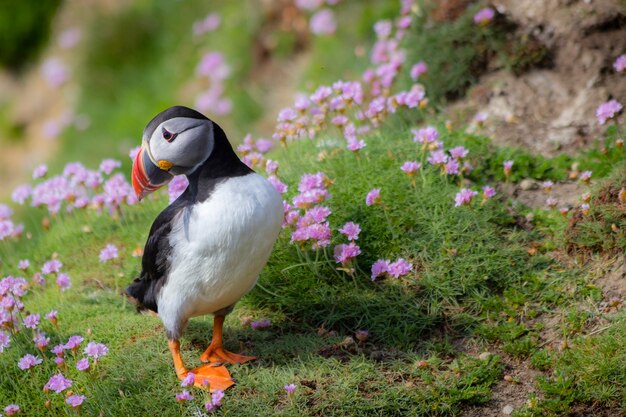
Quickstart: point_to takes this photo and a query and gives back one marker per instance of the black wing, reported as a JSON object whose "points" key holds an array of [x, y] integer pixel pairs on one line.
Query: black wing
{"points": [[155, 263]]}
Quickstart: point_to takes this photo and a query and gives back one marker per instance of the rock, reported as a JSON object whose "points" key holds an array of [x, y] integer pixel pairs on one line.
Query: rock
{"points": [[528, 184], [507, 410], [484, 356]]}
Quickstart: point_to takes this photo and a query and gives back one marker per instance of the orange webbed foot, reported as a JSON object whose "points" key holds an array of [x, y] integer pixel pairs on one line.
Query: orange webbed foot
{"points": [[219, 355], [211, 377]]}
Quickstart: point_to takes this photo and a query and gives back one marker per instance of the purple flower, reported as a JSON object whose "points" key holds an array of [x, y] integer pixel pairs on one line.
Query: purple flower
{"points": [[69, 38], [418, 69], [83, 364], [464, 197], [74, 342], [60, 361], [133, 152], [351, 230], [290, 388], [108, 165], [552, 202], [425, 135], [63, 281], [410, 167], [5, 341], [451, 167], [108, 253], [52, 316], [484, 16], [52, 266], [280, 186], [373, 197], [488, 192], [458, 152], [380, 267], [507, 166], [608, 110], [176, 187], [32, 321], [29, 361], [184, 396], [11, 410], [343, 254], [23, 264], [55, 72], [75, 400], [208, 24], [547, 185], [585, 176], [261, 324], [40, 171], [271, 167], [96, 350], [399, 268], [355, 145], [216, 397], [189, 380], [213, 66], [308, 4], [21, 193], [620, 63], [438, 157], [323, 23], [58, 350], [41, 341]]}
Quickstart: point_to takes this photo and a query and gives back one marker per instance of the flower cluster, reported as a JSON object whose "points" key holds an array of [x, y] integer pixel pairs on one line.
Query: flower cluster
{"points": [[79, 188], [322, 21], [307, 214], [397, 269], [213, 71]]}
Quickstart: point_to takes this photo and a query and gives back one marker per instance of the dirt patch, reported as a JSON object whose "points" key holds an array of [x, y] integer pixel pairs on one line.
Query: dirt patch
{"points": [[552, 111], [509, 394], [531, 194], [613, 281]]}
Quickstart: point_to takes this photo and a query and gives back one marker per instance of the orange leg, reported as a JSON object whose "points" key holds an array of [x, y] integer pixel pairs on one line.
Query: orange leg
{"points": [[215, 353], [215, 377]]}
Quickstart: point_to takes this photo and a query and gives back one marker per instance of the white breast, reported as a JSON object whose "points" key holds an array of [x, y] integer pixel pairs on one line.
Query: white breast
{"points": [[219, 248]]}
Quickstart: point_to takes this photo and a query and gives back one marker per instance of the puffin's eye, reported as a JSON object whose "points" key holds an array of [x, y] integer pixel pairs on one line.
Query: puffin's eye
{"points": [[167, 135]]}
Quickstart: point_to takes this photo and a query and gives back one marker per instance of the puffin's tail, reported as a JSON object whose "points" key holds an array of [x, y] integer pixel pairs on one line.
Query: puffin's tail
{"points": [[142, 293]]}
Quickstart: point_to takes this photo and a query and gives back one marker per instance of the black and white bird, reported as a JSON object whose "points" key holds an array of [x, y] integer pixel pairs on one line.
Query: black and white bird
{"points": [[207, 248]]}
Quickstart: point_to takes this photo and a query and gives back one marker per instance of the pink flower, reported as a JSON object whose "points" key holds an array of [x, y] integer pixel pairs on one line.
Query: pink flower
{"points": [[399, 268], [355, 145], [52, 266], [208, 24], [58, 350], [108, 253], [261, 324], [184, 396], [40, 171], [451, 167], [608, 110], [57, 383], [176, 187], [23, 264], [290, 388], [75, 400], [108, 165], [620, 63], [5, 341], [63, 281], [464, 197], [488, 192], [41, 341], [458, 152], [308, 4], [69, 38], [507, 166], [133, 152], [438, 158], [280, 186], [21, 193], [32, 321], [216, 397], [484, 16], [547, 185], [551, 202], [11, 410], [343, 254], [83, 364], [585, 176], [373, 197], [55, 72], [425, 135], [213, 66], [96, 350], [410, 167], [418, 69], [380, 267], [323, 23], [351, 230], [271, 167], [74, 342], [189, 380], [29, 361]]}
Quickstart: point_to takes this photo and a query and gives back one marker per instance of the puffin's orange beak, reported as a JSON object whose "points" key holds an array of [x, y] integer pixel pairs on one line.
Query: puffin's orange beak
{"points": [[148, 177]]}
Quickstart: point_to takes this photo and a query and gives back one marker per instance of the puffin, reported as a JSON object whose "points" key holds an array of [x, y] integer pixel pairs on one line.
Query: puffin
{"points": [[206, 249]]}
